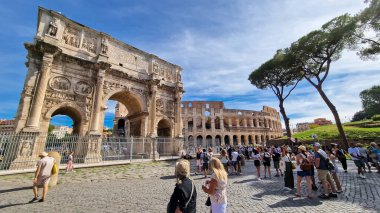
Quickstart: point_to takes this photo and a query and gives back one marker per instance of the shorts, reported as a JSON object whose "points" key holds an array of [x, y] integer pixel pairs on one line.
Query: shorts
{"points": [[205, 166], [42, 180], [257, 163], [304, 173], [266, 163], [359, 163], [276, 164], [199, 162], [234, 163], [323, 175]]}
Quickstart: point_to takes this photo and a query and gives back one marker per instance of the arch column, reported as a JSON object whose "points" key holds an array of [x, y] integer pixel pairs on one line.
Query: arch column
{"points": [[153, 89], [39, 97], [221, 120], [178, 118], [229, 122], [98, 97]]}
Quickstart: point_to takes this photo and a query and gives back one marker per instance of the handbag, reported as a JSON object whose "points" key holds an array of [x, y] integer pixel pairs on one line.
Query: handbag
{"points": [[54, 169], [208, 201], [306, 165]]}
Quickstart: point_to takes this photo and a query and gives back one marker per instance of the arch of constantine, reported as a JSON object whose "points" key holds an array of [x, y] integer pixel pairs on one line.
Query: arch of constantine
{"points": [[208, 123], [74, 70]]}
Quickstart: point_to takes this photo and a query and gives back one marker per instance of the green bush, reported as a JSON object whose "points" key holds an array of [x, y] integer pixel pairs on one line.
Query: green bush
{"points": [[376, 117]]}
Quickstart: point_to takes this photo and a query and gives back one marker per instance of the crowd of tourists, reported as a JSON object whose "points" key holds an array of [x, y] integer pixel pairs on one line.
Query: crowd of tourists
{"points": [[307, 161]]}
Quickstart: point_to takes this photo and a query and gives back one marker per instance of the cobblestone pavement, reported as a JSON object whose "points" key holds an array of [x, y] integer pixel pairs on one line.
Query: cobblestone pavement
{"points": [[147, 188]]}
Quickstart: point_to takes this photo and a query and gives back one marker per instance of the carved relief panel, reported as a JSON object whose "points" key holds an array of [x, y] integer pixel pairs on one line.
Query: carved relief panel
{"points": [[82, 88], [165, 72], [71, 36], [59, 83], [90, 42], [165, 107]]}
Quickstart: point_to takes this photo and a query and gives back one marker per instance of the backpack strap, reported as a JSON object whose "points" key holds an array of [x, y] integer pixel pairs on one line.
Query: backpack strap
{"points": [[191, 195]]}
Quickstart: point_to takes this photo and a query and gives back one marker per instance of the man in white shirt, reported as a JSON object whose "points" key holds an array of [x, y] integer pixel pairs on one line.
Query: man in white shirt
{"points": [[357, 158], [235, 155], [42, 176]]}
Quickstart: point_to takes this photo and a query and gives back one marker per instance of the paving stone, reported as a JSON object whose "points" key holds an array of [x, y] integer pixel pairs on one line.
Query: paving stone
{"points": [[147, 188]]}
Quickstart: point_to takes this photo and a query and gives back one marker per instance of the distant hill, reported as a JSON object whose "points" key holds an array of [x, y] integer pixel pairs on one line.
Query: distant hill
{"points": [[367, 130]]}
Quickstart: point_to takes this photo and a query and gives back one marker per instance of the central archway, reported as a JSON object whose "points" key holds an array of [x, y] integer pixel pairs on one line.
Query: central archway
{"points": [[131, 117]]}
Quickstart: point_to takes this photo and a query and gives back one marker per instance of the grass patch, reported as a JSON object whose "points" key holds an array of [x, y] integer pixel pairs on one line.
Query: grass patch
{"points": [[330, 132]]}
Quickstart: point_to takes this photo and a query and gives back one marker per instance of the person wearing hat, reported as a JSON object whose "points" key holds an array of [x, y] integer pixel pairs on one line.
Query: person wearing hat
{"points": [[42, 176], [321, 163], [302, 156], [184, 196], [357, 158]]}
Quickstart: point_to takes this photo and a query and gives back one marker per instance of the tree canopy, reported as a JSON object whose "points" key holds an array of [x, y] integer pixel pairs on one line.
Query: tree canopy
{"points": [[278, 73], [371, 100], [369, 20]]}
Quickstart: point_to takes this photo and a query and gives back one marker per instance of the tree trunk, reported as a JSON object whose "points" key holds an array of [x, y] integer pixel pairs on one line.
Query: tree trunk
{"points": [[336, 116], [286, 120]]}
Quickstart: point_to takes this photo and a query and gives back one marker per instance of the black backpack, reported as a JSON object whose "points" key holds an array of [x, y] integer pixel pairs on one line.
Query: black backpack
{"points": [[276, 156], [206, 157], [266, 157]]}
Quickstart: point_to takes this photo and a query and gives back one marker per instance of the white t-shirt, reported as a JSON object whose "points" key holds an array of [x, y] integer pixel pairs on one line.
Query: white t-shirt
{"points": [[256, 156], [235, 155]]}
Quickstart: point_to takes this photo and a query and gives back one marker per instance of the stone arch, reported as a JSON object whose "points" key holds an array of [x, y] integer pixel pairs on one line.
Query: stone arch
{"points": [[218, 140], [242, 140], [209, 141], [70, 110], [217, 122], [256, 139], [250, 139], [208, 123], [132, 101], [235, 140], [199, 141], [227, 140], [135, 106], [164, 128]]}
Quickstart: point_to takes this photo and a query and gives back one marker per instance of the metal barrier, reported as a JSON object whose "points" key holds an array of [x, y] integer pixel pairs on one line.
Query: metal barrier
{"points": [[20, 150]]}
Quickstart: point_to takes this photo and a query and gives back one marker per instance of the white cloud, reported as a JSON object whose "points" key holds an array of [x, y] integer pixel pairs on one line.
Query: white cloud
{"points": [[217, 64]]}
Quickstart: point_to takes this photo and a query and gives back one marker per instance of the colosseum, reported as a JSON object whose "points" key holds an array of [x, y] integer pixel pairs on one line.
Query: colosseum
{"points": [[208, 123]]}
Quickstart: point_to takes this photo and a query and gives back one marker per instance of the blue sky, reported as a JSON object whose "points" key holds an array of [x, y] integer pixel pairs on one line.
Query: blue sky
{"points": [[217, 43]]}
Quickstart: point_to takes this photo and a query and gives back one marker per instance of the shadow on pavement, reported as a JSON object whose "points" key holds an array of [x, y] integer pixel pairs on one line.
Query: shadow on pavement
{"points": [[245, 181], [167, 177], [296, 202], [15, 189], [14, 204]]}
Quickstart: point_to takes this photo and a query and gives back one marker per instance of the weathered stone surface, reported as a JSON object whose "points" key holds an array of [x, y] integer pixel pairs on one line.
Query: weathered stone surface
{"points": [[147, 188]]}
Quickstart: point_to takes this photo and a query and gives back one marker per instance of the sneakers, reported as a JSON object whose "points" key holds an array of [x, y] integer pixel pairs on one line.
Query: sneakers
{"points": [[339, 191], [41, 200], [258, 178], [362, 176], [32, 200], [323, 196], [333, 195]]}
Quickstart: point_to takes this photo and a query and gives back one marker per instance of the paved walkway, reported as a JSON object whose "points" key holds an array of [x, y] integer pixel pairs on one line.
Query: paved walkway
{"points": [[147, 188]]}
